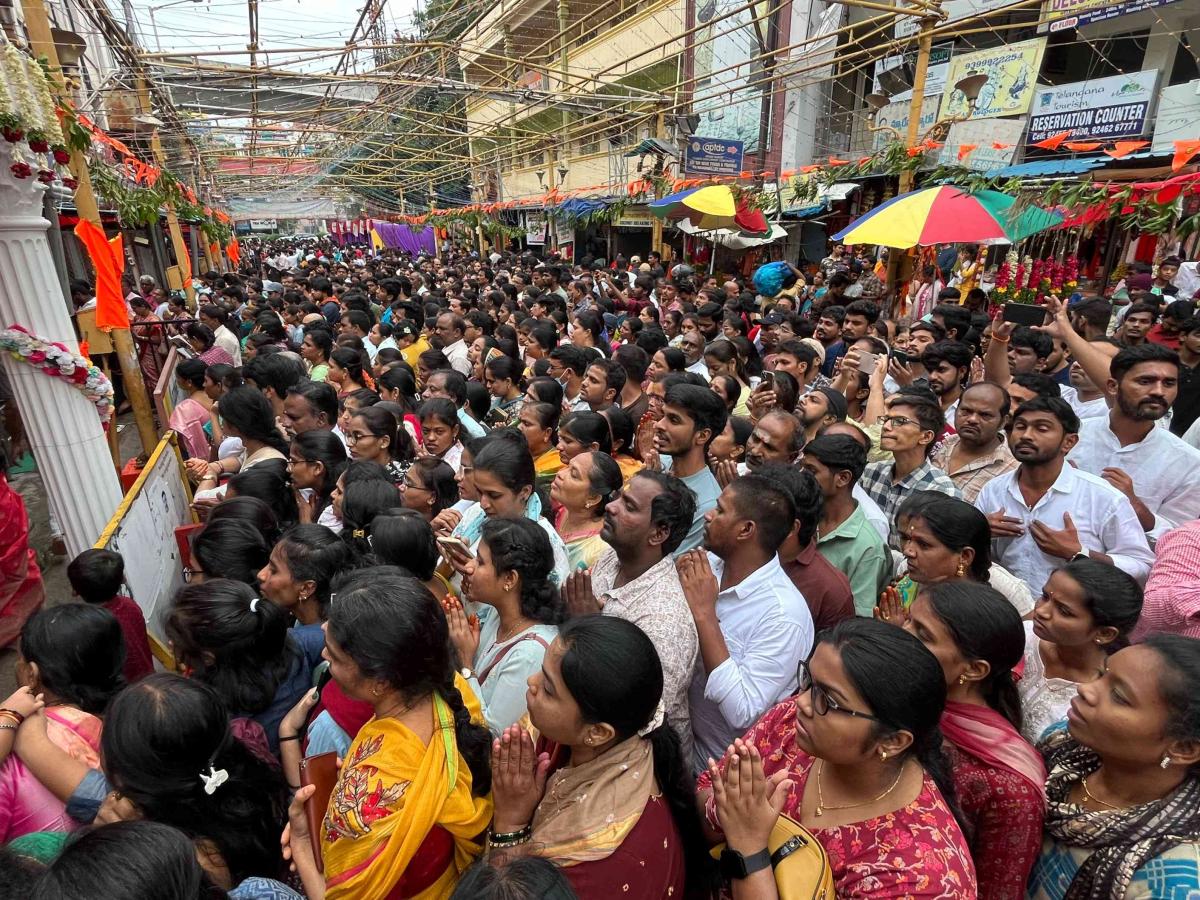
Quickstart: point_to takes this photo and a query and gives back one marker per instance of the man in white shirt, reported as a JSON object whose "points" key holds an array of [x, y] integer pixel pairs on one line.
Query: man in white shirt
{"points": [[450, 328], [1045, 512], [1157, 471], [692, 345], [214, 317], [754, 625]]}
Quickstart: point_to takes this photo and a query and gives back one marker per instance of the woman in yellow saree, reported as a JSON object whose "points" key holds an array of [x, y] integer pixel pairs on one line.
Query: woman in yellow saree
{"points": [[412, 800]]}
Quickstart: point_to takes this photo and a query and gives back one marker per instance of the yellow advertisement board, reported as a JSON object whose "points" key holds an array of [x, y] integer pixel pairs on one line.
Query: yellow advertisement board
{"points": [[1012, 79]]}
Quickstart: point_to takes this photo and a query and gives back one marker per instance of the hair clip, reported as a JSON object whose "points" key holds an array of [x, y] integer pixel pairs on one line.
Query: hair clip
{"points": [[254, 605], [358, 533], [214, 779]]}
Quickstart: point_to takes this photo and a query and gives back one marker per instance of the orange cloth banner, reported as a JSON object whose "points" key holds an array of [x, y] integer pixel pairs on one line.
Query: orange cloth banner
{"points": [[1184, 151], [108, 258], [233, 252]]}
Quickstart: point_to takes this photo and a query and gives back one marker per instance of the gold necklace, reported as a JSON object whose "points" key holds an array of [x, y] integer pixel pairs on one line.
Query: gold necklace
{"points": [[1094, 798], [821, 805]]}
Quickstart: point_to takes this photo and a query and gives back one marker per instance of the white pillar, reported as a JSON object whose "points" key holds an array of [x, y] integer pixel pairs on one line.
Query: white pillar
{"points": [[63, 426]]}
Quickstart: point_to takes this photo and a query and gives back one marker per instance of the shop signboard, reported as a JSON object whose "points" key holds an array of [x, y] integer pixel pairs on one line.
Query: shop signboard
{"points": [[1012, 77], [895, 115], [935, 75], [1059, 15], [995, 142], [1177, 115], [264, 224], [1096, 109], [712, 156]]}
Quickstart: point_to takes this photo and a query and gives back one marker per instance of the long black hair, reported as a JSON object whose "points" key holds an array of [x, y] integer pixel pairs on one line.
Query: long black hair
{"points": [[984, 625], [230, 547], [440, 480], [588, 428], [956, 524], [326, 448], [79, 651], [250, 412], [362, 501], [521, 546], [269, 482], [314, 553], [1112, 596], [349, 359], [510, 461], [160, 736], [135, 860], [192, 372], [872, 652], [394, 630], [250, 510], [1179, 681], [383, 423], [401, 538], [597, 644], [233, 640]]}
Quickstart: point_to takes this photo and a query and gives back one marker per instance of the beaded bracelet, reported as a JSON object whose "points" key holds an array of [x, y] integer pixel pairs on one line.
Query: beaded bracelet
{"points": [[510, 838]]}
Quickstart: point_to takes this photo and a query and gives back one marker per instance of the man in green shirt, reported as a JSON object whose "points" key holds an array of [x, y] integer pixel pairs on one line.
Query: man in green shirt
{"points": [[845, 537]]}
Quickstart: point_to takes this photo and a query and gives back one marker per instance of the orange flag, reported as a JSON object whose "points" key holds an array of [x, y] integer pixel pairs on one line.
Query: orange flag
{"points": [[1082, 146], [1122, 149], [965, 150], [233, 252], [108, 259], [834, 161], [1053, 142], [1000, 145], [1184, 151]]}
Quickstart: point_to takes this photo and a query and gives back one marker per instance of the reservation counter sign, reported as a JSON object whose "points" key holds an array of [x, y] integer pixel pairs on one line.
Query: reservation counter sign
{"points": [[1096, 109]]}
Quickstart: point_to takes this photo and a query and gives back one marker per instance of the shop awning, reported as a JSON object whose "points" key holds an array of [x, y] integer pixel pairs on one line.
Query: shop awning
{"points": [[802, 209], [1076, 165]]}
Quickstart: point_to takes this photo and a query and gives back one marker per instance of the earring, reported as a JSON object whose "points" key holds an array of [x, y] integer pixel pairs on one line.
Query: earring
{"points": [[962, 679], [883, 754], [1166, 761], [375, 692], [962, 569]]}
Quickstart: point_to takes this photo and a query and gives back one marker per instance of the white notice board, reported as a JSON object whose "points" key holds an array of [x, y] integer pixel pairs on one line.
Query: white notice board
{"points": [[142, 530]]}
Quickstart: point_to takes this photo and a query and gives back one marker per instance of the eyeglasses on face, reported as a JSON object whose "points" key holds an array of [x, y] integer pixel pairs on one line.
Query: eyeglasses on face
{"points": [[188, 572], [897, 421], [822, 703], [354, 437]]}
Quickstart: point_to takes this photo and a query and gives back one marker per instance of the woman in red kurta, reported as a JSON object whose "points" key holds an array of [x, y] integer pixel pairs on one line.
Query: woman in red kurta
{"points": [[862, 751], [977, 636], [603, 794]]}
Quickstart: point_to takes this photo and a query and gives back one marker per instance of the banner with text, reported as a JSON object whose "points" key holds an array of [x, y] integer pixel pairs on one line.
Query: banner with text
{"points": [[712, 156], [1096, 109], [1059, 15], [1012, 74]]}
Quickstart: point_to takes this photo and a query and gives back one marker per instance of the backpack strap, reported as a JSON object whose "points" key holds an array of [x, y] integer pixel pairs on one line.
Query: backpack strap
{"points": [[482, 676]]}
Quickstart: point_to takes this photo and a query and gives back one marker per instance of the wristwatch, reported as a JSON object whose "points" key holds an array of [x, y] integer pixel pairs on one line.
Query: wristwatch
{"points": [[1082, 554], [735, 866], [466, 673]]}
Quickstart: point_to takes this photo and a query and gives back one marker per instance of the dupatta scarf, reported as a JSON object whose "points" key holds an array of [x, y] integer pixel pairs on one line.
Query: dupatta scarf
{"points": [[1120, 841], [991, 738], [391, 792], [589, 810]]}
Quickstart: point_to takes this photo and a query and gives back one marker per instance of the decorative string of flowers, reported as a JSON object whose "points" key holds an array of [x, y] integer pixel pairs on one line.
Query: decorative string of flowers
{"points": [[55, 360], [28, 115], [1032, 280]]}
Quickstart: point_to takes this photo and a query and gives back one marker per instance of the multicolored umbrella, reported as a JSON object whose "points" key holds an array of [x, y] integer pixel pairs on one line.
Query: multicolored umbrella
{"points": [[709, 208], [948, 215]]}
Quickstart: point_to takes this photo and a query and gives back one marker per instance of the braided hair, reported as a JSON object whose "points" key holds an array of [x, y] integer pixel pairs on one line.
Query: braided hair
{"points": [[521, 546]]}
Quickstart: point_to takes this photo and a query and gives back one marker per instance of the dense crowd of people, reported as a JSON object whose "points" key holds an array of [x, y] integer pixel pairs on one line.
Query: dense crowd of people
{"points": [[530, 578]]}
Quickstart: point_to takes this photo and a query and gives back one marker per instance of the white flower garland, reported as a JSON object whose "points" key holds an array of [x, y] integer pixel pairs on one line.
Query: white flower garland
{"points": [[57, 361]]}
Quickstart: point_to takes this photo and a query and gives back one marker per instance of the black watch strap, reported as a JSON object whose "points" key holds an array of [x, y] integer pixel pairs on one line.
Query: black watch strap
{"points": [[735, 865]]}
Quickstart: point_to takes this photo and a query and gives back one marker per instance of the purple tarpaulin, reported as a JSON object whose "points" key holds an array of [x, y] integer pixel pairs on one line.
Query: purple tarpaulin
{"points": [[401, 237]]}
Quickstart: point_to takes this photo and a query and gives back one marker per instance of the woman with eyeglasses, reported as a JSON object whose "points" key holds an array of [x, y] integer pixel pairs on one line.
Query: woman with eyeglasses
{"points": [[316, 460], [374, 434], [429, 486], [978, 638], [856, 758]]}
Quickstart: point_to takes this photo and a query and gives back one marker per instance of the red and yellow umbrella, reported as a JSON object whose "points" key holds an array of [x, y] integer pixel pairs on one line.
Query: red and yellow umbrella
{"points": [[710, 208]]}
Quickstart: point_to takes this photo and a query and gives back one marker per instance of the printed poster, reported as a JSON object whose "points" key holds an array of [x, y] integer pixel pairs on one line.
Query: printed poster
{"points": [[1012, 79]]}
